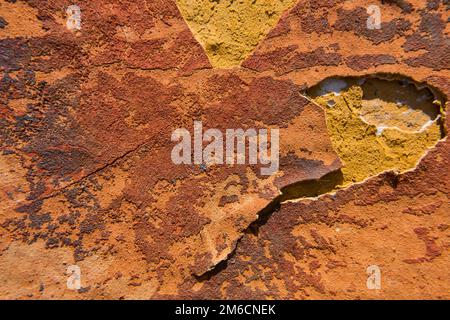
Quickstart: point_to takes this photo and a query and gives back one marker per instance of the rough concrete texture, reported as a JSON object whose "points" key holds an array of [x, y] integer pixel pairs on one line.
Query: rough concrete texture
{"points": [[86, 177]]}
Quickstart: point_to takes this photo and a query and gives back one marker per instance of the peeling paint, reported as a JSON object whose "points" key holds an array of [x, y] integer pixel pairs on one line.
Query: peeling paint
{"points": [[379, 124]]}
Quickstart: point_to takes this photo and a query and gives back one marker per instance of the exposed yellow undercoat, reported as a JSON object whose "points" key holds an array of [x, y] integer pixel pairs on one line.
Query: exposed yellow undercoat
{"points": [[230, 30], [372, 134]]}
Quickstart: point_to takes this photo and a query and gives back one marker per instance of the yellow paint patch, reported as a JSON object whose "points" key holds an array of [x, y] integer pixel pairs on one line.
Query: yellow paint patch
{"points": [[378, 125], [230, 30]]}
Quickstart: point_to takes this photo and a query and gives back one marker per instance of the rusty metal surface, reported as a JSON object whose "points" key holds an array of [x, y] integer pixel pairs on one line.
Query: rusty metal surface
{"points": [[87, 178]]}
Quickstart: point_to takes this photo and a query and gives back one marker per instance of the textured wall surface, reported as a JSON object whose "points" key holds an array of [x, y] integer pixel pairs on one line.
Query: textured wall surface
{"points": [[87, 179]]}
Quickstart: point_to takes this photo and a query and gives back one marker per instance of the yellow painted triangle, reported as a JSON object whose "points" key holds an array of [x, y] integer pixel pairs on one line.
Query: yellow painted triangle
{"points": [[230, 30]]}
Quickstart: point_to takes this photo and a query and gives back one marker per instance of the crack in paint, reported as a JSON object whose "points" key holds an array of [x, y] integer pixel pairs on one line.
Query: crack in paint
{"points": [[351, 96]]}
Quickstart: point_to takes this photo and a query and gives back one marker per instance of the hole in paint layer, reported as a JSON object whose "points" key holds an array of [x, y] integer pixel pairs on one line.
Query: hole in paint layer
{"points": [[405, 107], [379, 123]]}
